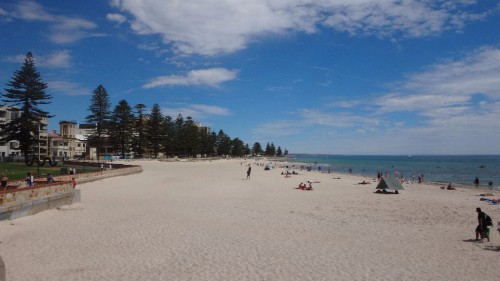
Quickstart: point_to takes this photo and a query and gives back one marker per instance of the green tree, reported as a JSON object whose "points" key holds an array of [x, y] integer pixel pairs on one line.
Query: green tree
{"points": [[179, 141], [207, 143], [122, 127], [192, 137], [168, 136], [273, 150], [268, 150], [154, 130], [237, 148], [25, 92], [248, 151], [223, 143], [212, 141], [279, 152], [257, 149], [100, 115], [138, 143]]}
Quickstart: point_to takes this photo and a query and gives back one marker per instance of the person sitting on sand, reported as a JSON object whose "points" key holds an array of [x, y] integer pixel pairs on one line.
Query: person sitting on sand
{"points": [[309, 187], [448, 187]]}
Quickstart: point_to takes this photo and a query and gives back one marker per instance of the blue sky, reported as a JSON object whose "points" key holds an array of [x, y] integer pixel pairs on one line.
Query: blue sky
{"points": [[312, 76]]}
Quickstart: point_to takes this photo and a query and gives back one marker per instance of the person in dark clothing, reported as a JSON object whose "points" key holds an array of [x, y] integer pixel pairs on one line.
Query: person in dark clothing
{"points": [[476, 181], [248, 172], [481, 229]]}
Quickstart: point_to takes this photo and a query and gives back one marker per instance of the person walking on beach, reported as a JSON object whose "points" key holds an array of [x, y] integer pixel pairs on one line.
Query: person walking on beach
{"points": [[482, 228], [249, 171]]}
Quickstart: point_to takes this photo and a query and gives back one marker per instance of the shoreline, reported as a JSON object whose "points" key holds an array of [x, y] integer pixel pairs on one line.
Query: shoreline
{"points": [[435, 183]]}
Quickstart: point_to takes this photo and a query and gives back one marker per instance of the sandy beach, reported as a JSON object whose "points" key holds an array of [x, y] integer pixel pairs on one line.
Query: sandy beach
{"points": [[205, 221]]}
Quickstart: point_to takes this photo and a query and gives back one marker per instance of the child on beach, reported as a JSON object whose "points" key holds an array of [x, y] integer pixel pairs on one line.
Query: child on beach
{"points": [[30, 181]]}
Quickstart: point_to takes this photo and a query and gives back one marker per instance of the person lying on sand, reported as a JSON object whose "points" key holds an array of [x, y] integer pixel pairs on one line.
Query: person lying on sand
{"points": [[364, 182], [301, 186], [491, 201], [386, 192], [486, 194]]}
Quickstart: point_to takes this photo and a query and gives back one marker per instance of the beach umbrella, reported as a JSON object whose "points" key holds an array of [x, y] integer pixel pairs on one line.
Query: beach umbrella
{"points": [[389, 183]]}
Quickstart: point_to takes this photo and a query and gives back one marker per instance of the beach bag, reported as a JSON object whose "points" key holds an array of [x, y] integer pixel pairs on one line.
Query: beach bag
{"points": [[488, 220]]}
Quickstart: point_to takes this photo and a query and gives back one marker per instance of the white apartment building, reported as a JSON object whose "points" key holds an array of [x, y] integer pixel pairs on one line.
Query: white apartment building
{"points": [[8, 149]]}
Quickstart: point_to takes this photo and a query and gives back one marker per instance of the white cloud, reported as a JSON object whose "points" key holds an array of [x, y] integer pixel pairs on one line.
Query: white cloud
{"points": [[451, 83], [196, 111], [210, 109], [61, 59], [212, 27], [63, 29], [116, 18], [57, 59], [451, 107], [210, 77], [277, 129], [67, 88], [336, 119], [3, 12]]}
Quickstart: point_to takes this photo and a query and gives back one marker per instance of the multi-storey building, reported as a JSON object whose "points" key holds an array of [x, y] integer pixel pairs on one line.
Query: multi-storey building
{"points": [[58, 145], [9, 149], [42, 147], [71, 143]]}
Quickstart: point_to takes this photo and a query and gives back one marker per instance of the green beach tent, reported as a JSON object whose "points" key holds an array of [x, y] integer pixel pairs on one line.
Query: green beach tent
{"points": [[389, 183]]}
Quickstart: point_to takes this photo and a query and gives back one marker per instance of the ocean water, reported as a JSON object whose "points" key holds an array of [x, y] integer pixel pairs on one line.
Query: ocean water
{"points": [[437, 169]]}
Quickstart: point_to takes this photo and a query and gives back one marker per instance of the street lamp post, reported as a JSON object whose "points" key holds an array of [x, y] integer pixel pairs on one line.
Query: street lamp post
{"points": [[84, 155]]}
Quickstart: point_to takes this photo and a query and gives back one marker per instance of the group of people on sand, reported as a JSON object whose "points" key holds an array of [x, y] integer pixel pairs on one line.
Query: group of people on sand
{"points": [[303, 186], [288, 174]]}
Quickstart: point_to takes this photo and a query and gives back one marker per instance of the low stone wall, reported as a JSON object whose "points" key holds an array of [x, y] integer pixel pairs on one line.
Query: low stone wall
{"points": [[19, 200], [27, 201], [82, 177], [106, 173]]}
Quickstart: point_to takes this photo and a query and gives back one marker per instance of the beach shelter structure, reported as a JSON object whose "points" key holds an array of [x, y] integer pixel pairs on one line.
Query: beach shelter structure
{"points": [[269, 166], [389, 183]]}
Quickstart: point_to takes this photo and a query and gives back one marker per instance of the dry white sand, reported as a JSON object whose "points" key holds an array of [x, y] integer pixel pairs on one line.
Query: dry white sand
{"points": [[204, 221]]}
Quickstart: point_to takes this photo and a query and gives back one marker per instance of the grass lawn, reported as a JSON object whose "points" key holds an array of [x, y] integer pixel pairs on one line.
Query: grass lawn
{"points": [[18, 170]]}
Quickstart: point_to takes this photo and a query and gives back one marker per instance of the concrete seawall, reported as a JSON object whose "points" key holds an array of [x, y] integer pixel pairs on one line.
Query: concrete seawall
{"points": [[25, 201], [34, 206]]}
